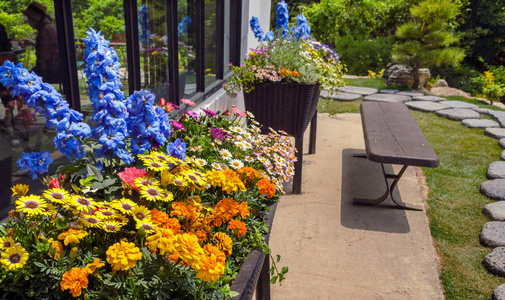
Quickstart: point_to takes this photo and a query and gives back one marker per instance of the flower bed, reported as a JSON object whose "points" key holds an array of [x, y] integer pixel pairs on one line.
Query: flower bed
{"points": [[148, 207]]}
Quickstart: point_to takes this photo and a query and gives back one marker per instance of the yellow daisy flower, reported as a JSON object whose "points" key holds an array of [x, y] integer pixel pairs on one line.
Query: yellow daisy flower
{"points": [[6, 242], [124, 205], [111, 226], [31, 205], [141, 213], [14, 257], [90, 221], [82, 203], [57, 195], [151, 192]]}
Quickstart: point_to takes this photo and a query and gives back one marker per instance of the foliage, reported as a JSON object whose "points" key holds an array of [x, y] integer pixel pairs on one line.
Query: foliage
{"points": [[460, 77], [147, 208], [286, 56], [363, 54], [426, 40], [333, 19], [103, 15], [492, 90]]}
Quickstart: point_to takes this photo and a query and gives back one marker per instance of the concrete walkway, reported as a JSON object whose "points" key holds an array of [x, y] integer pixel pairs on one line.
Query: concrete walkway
{"points": [[337, 250]]}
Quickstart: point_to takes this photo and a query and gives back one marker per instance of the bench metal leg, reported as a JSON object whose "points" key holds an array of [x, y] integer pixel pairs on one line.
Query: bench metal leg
{"points": [[313, 133], [389, 191], [297, 179]]}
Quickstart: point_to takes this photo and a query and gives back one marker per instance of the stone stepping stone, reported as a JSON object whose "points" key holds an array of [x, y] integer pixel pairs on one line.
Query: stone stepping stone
{"points": [[492, 234], [389, 91], [340, 96], [497, 133], [459, 104], [359, 90], [457, 114], [426, 106], [484, 111], [411, 94], [480, 123], [499, 292], [429, 98], [498, 116], [494, 262], [387, 98], [494, 189], [496, 170], [501, 142], [495, 211]]}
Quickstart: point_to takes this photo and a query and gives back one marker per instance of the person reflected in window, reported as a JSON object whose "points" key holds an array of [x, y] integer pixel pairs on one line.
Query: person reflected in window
{"points": [[48, 65]]}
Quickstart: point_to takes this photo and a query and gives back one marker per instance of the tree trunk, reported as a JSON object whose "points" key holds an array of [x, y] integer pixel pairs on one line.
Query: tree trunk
{"points": [[415, 73]]}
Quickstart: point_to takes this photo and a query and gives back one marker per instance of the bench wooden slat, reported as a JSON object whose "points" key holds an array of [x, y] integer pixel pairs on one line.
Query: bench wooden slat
{"points": [[392, 136]]}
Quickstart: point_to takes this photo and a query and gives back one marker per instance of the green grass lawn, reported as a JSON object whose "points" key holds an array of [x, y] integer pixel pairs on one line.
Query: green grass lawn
{"points": [[454, 201]]}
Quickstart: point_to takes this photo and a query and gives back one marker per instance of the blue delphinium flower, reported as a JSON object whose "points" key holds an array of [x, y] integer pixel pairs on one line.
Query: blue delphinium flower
{"points": [[35, 162], [109, 107], [144, 23], [149, 126], [183, 27], [282, 18], [301, 29], [47, 101], [177, 149], [256, 28]]}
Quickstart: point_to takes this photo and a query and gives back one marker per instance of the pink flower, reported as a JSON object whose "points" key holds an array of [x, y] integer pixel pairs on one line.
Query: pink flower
{"points": [[162, 101], [54, 183], [170, 106], [177, 125], [238, 112], [129, 175], [188, 102]]}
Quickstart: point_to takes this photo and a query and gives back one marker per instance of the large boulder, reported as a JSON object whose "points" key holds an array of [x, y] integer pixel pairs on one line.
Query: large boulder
{"points": [[396, 74]]}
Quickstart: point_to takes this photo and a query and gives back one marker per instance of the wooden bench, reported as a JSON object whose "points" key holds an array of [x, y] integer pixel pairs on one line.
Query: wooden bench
{"points": [[393, 137]]}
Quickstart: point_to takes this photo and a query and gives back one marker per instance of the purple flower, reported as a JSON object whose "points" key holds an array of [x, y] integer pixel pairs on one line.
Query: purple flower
{"points": [[177, 125], [192, 114], [209, 112], [218, 134]]}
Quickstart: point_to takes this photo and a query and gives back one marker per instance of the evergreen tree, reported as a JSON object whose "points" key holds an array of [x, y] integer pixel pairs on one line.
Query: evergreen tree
{"points": [[426, 40]]}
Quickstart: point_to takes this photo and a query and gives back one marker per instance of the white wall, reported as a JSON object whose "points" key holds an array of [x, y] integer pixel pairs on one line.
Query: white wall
{"points": [[261, 10]]}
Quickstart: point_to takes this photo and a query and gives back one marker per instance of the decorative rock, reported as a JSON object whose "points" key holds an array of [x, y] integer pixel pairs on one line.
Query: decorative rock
{"points": [[498, 116], [411, 94], [493, 235], [499, 292], [387, 98], [340, 96], [389, 91], [496, 170], [479, 123], [502, 143], [459, 104], [495, 211], [359, 90], [402, 75], [494, 189], [441, 83], [458, 114], [429, 98], [494, 262], [426, 106], [484, 111], [497, 133], [502, 156]]}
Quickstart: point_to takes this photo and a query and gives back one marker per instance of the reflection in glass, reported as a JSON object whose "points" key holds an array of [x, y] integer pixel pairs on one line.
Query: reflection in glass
{"points": [[153, 47], [187, 51], [210, 41]]}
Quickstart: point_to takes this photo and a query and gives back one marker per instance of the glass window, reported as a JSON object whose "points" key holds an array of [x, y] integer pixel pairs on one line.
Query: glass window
{"points": [[153, 41], [210, 41], [226, 39], [186, 15]]}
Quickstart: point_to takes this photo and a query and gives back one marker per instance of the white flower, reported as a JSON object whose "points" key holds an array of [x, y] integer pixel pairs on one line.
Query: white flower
{"points": [[237, 129], [236, 164], [249, 159], [201, 161], [225, 154], [216, 166]]}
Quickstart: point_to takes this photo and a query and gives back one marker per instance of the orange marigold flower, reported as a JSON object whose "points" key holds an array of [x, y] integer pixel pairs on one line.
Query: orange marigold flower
{"points": [[159, 217], [94, 265], [266, 187], [224, 242], [181, 209], [296, 74], [72, 236], [243, 210], [123, 255], [56, 248], [163, 239], [213, 264], [238, 226], [189, 249], [250, 174], [75, 280]]}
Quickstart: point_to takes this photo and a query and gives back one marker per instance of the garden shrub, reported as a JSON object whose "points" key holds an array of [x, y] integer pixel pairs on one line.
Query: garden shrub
{"points": [[460, 77], [363, 54]]}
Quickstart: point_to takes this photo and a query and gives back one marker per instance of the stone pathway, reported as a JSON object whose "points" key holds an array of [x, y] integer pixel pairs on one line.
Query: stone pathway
{"points": [[493, 232]]}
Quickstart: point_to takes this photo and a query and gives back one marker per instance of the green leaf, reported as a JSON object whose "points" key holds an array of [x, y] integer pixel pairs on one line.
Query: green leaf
{"points": [[278, 258], [284, 270], [108, 182], [234, 294], [273, 280], [92, 170]]}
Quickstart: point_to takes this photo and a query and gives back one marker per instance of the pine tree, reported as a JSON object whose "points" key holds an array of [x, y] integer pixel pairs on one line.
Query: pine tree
{"points": [[426, 40]]}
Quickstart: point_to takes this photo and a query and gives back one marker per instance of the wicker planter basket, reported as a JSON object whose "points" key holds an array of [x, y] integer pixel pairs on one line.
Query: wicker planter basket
{"points": [[283, 106], [289, 107]]}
